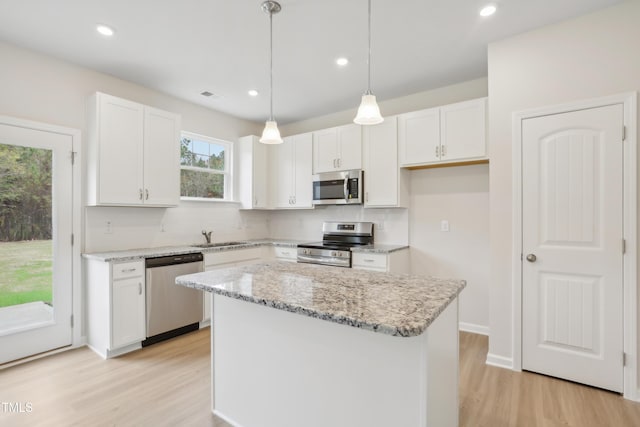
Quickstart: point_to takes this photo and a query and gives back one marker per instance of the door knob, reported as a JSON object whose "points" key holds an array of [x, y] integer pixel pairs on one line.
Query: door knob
{"points": [[531, 258]]}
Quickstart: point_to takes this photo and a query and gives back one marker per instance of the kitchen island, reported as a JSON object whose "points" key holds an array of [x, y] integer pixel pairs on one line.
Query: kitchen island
{"points": [[307, 345]]}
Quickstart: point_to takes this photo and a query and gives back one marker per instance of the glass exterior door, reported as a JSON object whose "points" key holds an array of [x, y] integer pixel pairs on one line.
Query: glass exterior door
{"points": [[35, 241]]}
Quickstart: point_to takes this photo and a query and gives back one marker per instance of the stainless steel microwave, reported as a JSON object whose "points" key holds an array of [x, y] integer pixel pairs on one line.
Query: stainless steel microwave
{"points": [[338, 188]]}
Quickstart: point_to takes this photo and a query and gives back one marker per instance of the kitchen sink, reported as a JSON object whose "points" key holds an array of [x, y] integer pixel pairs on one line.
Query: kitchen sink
{"points": [[215, 245]]}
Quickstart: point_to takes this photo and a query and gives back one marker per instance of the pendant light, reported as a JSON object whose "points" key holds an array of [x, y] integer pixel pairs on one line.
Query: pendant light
{"points": [[271, 134], [368, 112]]}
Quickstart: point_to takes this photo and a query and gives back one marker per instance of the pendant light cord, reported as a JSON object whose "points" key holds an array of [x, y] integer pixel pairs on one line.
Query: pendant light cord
{"points": [[369, 57], [271, 65]]}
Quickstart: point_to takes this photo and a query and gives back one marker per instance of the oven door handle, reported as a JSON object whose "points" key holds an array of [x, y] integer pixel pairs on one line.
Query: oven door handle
{"points": [[338, 262], [308, 258], [346, 189]]}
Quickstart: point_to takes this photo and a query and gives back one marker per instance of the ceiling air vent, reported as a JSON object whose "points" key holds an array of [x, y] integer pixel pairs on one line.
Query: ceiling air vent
{"points": [[209, 94]]}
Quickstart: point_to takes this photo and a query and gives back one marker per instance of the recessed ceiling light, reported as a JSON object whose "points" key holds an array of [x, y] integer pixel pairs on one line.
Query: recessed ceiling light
{"points": [[488, 10], [105, 30], [253, 92], [342, 61]]}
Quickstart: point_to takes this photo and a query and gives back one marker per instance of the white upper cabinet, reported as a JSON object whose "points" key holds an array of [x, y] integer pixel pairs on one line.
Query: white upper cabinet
{"points": [[463, 130], [253, 173], [161, 157], [448, 134], [337, 149], [133, 154], [385, 184], [290, 164], [419, 136]]}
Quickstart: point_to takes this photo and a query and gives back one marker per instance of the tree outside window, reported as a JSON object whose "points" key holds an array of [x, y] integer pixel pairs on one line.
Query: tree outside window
{"points": [[205, 167]]}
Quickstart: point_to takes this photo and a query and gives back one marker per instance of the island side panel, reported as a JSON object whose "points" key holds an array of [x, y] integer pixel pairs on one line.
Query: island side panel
{"points": [[442, 369], [276, 368]]}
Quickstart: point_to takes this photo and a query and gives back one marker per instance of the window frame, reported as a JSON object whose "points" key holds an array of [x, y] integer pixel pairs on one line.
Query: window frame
{"points": [[228, 167]]}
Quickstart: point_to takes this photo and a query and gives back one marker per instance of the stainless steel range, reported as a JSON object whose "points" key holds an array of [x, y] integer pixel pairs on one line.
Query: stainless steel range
{"points": [[337, 240]]}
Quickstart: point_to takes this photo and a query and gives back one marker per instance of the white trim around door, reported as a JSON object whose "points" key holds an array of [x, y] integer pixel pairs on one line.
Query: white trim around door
{"points": [[629, 101]]}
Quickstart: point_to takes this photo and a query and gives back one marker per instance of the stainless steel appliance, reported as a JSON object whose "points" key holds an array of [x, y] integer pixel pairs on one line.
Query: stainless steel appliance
{"points": [[338, 188], [337, 240], [172, 310]]}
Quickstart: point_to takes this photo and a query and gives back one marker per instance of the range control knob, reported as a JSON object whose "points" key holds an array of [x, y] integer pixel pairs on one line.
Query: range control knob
{"points": [[334, 254]]}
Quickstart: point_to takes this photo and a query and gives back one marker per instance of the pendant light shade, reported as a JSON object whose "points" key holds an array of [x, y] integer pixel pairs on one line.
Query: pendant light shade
{"points": [[271, 134], [368, 112]]}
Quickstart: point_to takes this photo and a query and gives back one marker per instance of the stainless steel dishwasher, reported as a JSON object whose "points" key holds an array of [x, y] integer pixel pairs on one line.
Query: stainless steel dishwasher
{"points": [[172, 310]]}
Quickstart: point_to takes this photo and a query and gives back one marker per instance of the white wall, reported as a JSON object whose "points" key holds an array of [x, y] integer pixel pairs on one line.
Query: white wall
{"points": [[591, 56], [459, 194], [44, 89]]}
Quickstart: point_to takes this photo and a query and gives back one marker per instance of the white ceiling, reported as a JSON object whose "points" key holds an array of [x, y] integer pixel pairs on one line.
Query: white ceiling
{"points": [[184, 47]]}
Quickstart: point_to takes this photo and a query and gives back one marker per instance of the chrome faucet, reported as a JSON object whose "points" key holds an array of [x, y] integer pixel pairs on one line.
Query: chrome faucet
{"points": [[207, 235]]}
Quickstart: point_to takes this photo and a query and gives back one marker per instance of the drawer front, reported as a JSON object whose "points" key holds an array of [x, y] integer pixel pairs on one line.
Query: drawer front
{"points": [[226, 257], [366, 260], [286, 253], [123, 270]]}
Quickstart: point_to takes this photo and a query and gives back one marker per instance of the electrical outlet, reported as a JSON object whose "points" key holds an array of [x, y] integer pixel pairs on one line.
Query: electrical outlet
{"points": [[108, 228], [381, 226], [444, 225]]}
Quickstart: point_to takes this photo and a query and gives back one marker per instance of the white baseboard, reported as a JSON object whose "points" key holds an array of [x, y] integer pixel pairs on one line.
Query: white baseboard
{"points": [[473, 328], [225, 418], [500, 361]]}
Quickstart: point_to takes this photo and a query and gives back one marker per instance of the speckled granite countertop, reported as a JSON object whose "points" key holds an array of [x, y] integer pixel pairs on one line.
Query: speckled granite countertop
{"points": [[142, 253], [379, 249], [391, 304]]}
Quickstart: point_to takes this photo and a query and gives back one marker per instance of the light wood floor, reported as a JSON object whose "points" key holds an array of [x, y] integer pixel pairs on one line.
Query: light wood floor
{"points": [[168, 385]]}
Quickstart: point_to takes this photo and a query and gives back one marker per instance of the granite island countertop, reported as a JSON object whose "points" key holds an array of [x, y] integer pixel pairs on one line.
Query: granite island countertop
{"points": [[392, 304]]}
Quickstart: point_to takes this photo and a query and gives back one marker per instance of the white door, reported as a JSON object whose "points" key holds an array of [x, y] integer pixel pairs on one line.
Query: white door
{"points": [[462, 130], [380, 154], [36, 218], [572, 284], [282, 178], [325, 150], [302, 161], [121, 130], [161, 157], [419, 137], [350, 147]]}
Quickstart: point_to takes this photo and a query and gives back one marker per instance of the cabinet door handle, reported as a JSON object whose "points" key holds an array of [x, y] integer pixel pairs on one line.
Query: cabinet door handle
{"points": [[294, 200], [368, 260], [437, 151], [339, 163], [444, 150], [255, 200], [140, 195], [128, 270], [139, 288], [366, 196], [146, 194]]}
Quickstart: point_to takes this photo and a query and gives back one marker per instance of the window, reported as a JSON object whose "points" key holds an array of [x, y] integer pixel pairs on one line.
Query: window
{"points": [[205, 167]]}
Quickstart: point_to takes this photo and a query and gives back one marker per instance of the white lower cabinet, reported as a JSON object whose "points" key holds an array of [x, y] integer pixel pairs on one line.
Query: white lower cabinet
{"points": [[393, 262], [223, 259], [282, 253], [116, 321]]}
